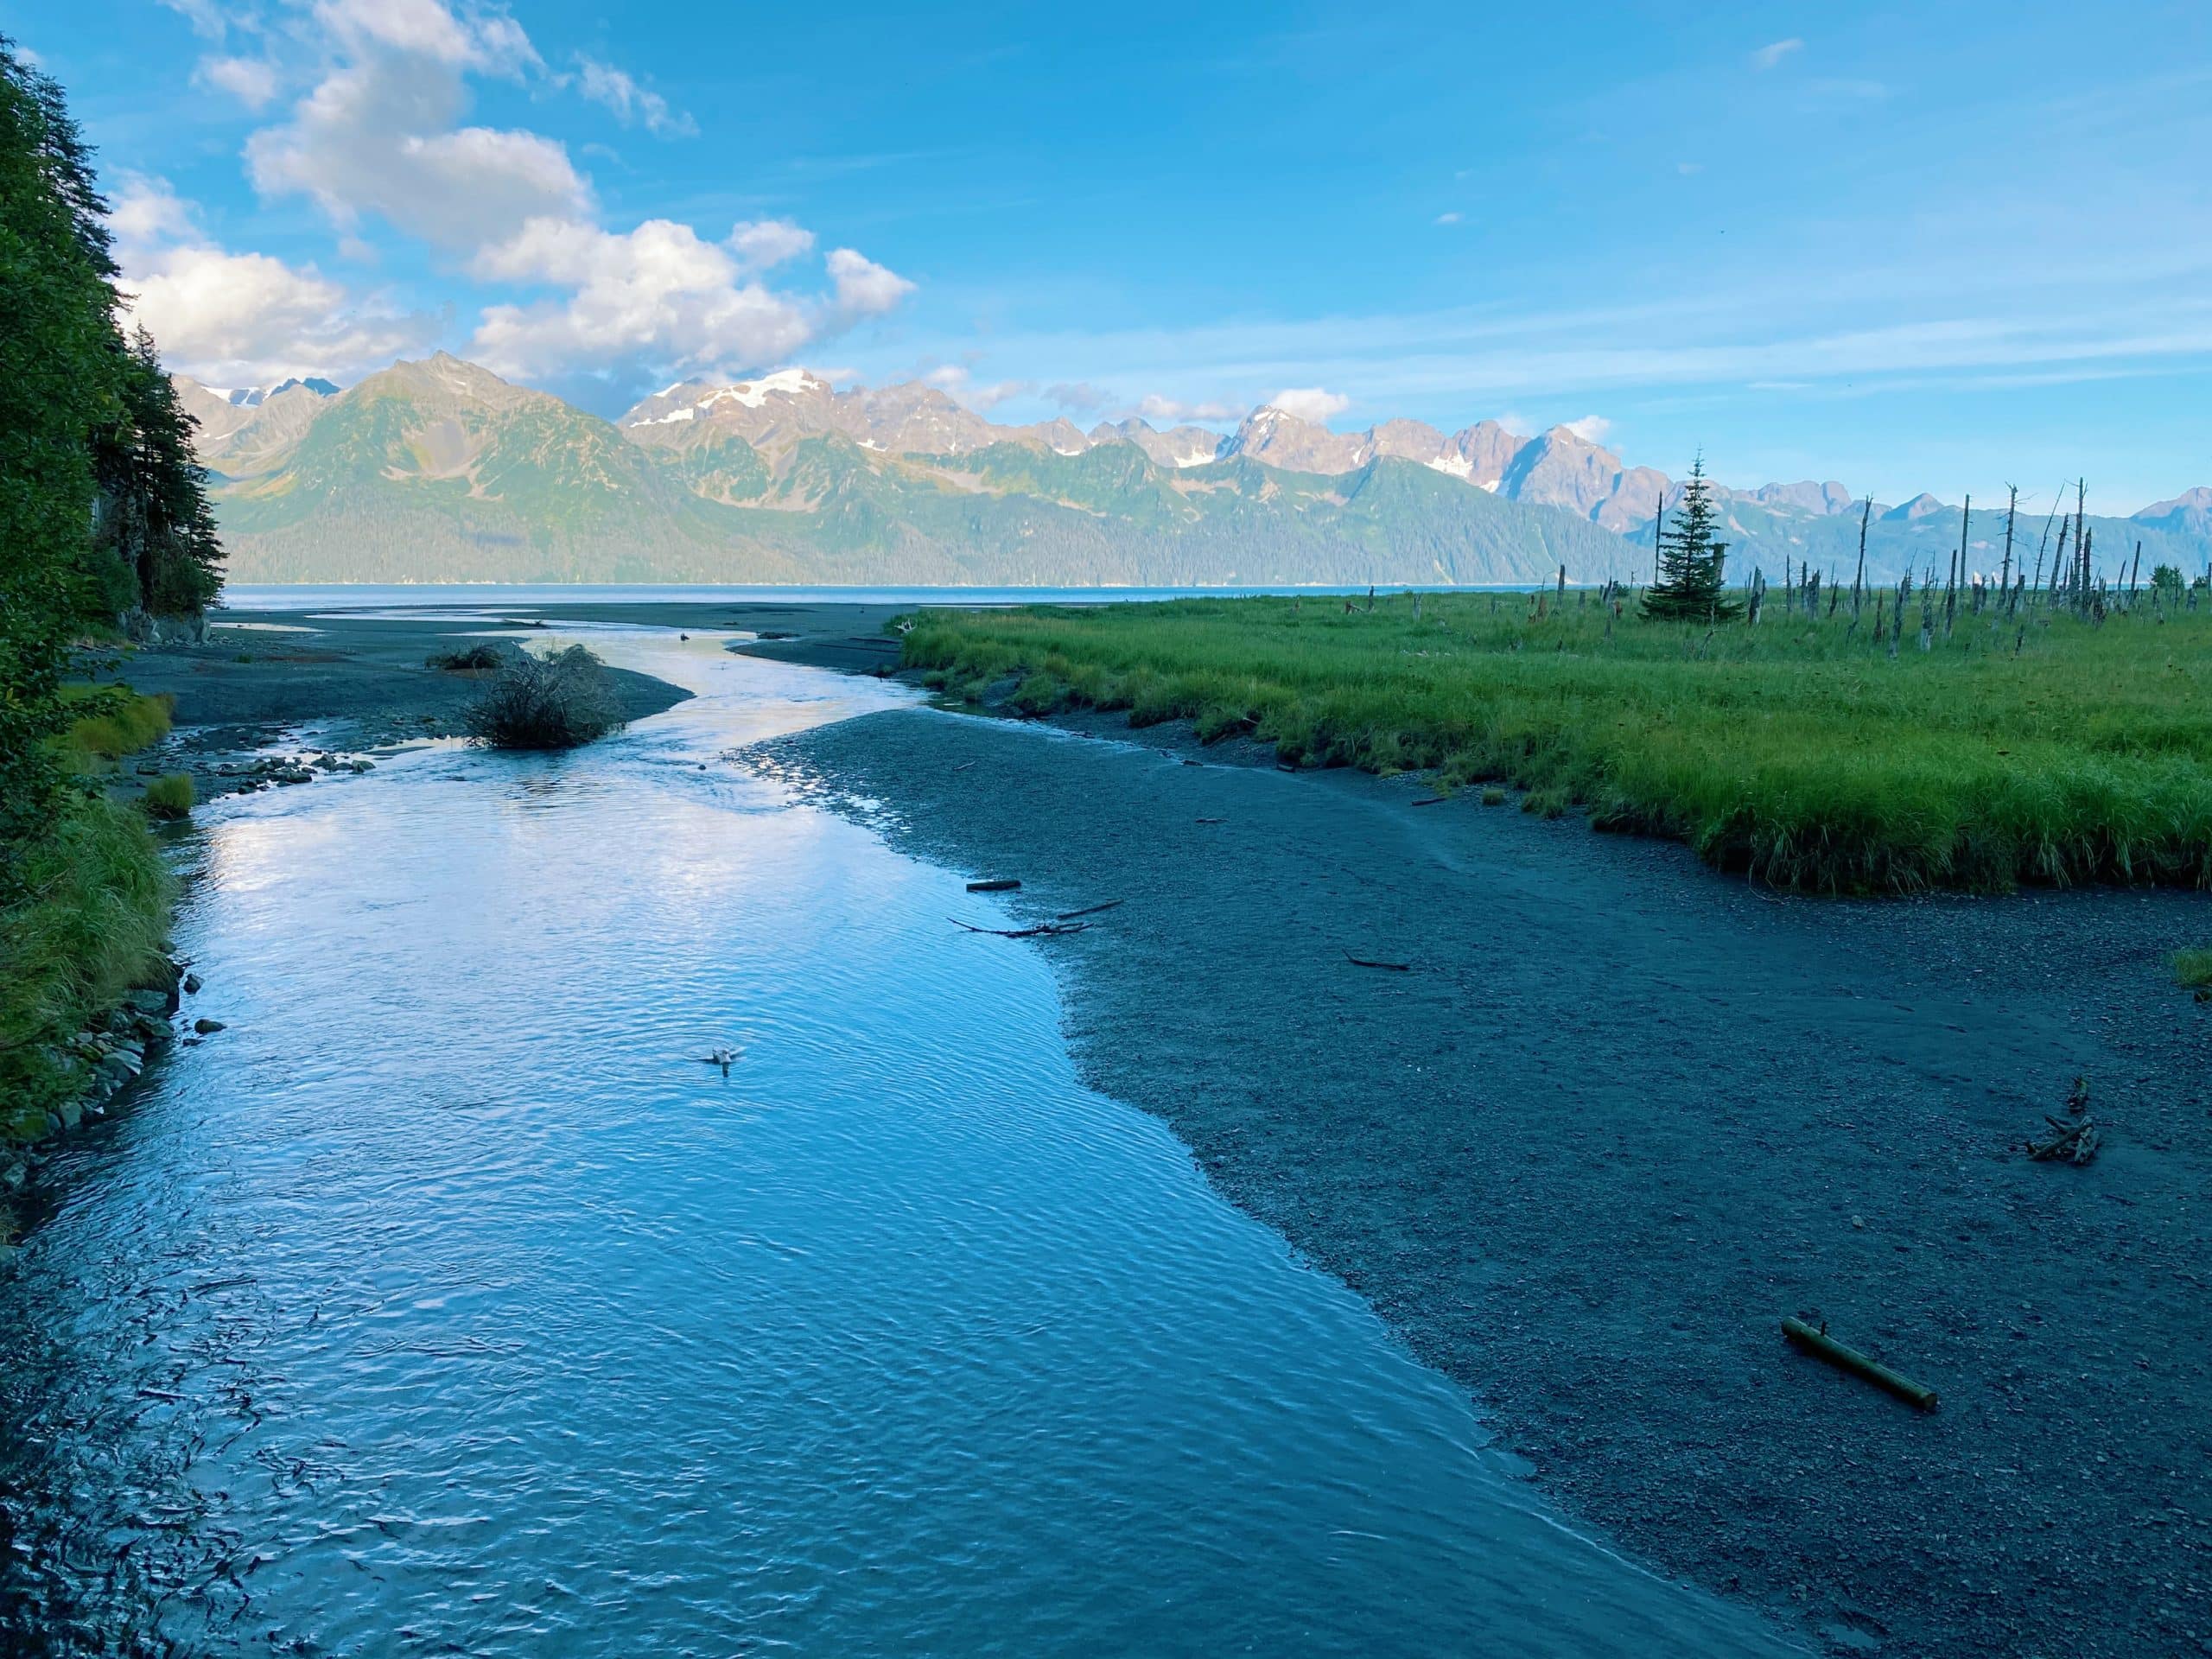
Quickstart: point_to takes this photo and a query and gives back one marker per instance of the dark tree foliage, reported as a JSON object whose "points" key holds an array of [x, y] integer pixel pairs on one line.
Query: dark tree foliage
{"points": [[1692, 584], [153, 497], [82, 412]]}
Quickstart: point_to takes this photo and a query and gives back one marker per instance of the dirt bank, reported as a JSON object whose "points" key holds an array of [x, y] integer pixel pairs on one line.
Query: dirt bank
{"points": [[1619, 1117], [286, 680]]}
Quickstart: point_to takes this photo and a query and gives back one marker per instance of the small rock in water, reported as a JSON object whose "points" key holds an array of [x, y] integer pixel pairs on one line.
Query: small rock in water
{"points": [[192, 984], [206, 1028]]}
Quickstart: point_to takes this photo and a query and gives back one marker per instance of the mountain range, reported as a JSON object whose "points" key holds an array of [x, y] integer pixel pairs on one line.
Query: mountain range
{"points": [[439, 470]]}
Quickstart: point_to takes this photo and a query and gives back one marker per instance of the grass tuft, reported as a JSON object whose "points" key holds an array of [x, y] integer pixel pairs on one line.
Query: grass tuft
{"points": [[2193, 971], [169, 798]]}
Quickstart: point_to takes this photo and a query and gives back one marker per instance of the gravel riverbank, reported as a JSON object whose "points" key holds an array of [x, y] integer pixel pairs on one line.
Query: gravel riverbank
{"points": [[1618, 1116]]}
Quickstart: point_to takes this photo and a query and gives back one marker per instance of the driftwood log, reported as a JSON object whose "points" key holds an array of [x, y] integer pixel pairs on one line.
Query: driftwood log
{"points": [[1846, 1358]]}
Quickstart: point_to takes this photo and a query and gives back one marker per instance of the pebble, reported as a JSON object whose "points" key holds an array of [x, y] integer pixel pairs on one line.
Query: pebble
{"points": [[206, 1028]]}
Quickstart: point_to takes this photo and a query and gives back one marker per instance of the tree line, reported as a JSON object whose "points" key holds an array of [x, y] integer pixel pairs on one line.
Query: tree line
{"points": [[104, 514]]}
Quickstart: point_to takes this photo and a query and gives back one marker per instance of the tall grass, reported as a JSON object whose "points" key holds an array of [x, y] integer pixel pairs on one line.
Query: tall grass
{"points": [[2038, 748], [94, 901], [89, 926], [120, 722]]}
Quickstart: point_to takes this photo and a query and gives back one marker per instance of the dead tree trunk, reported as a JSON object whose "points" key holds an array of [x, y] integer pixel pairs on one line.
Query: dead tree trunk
{"points": [[1859, 580], [2005, 572]]}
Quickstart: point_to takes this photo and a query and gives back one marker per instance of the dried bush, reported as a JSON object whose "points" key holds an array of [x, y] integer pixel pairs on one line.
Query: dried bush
{"points": [[554, 702], [475, 660]]}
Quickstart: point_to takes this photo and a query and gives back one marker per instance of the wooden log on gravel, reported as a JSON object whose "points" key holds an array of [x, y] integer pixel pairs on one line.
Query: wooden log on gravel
{"points": [[1846, 1358], [996, 884]]}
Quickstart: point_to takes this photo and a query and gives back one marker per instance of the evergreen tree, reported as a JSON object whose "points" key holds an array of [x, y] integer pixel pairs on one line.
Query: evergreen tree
{"points": [[102, 507], [59, 379], [153, 500], [1691, 584]]}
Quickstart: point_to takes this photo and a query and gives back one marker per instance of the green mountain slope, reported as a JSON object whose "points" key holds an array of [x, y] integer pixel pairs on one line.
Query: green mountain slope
{"points": [[439, 471]]}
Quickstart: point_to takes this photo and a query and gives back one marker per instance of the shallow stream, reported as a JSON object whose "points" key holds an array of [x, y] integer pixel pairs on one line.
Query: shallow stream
{"points": [[445, 1302]]}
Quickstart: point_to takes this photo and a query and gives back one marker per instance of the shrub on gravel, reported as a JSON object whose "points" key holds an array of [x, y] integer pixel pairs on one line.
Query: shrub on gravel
{"points": [[554, 702]]}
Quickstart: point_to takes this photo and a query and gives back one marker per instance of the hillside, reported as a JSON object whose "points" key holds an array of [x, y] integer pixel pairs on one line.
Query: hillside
{"points": [[441, 471]]}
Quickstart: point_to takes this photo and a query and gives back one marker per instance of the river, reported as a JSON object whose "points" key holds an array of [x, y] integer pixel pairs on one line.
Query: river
{"points": [[445, 1302]]}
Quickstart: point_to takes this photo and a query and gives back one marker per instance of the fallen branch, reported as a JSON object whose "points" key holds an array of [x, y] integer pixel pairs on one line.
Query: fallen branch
{"points": [[1364, 961], [994, 884], [2074, 1143], [1213, 820], [1042, 930], [1089, 910], [963, 766], [1433, 800], [1846, 1358]]}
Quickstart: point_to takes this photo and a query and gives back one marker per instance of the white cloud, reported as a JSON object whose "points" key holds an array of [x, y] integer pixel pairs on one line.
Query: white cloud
{"points": [[1078, 396], [429, 29], [1450, 218], [864, 287], [378, 137], [205, 16], [619, 91], [242, 317], [762, 243], [1311, 404], [1590, 428], [253, 81], [1172, 411], [1769, 56], [661, 293], [956, 382]]}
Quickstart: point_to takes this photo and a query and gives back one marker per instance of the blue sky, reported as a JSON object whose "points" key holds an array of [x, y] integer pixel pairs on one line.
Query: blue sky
{"points": [[1940, 247]]}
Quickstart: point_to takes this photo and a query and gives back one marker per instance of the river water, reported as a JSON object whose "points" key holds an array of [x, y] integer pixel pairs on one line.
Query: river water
{"points": [[445, 1303]]}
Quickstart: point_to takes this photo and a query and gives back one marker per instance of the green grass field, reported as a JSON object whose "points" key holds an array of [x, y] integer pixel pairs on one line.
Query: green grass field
{"points": [[2040, 748]]}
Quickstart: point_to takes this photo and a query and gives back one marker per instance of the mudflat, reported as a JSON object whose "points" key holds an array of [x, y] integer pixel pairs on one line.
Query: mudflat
{"points": [[353, 681], [1616, 1117]]}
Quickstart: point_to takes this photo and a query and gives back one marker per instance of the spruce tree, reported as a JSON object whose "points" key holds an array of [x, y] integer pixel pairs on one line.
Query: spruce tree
{"points": [[1691, 580]]}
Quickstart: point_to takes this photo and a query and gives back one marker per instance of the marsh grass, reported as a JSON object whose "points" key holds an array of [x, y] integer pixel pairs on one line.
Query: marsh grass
{"points": [[2193, 971], [2041, 748]]}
